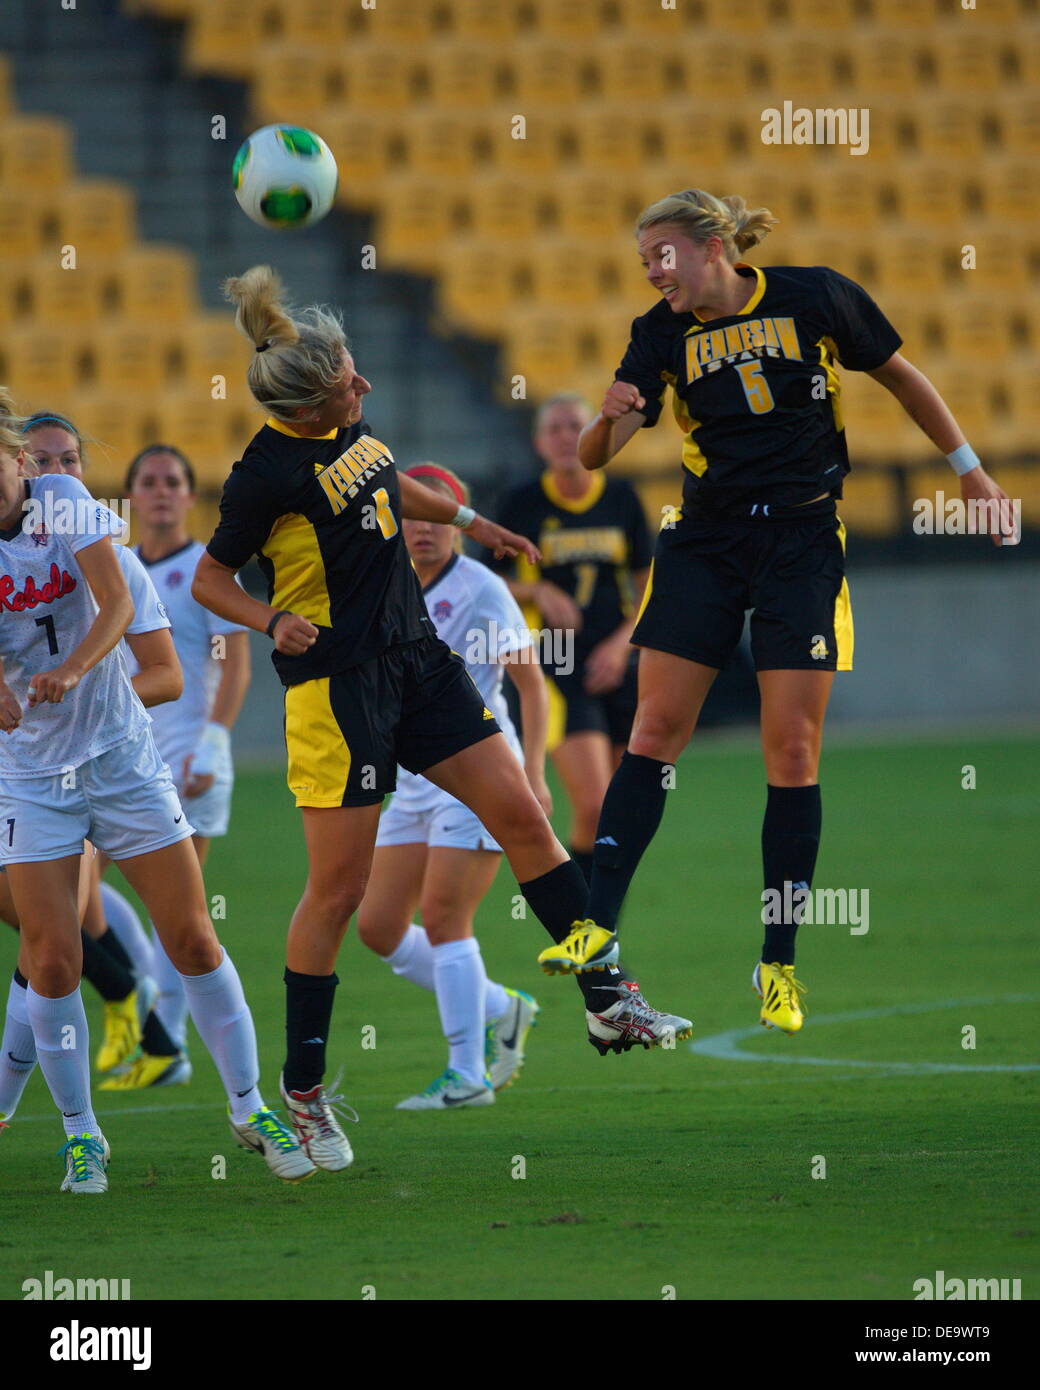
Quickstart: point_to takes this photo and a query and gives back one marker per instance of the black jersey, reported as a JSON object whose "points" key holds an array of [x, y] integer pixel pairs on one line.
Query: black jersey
{"points": [[590, 547], [757, 394], [323, 517]]}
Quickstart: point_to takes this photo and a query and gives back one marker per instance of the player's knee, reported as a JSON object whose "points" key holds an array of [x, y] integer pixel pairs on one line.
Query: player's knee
{"points": [[660, 734], [442, 920], [54, 974], [793, 760], [377, 933], [195, 951], [336, 902]]}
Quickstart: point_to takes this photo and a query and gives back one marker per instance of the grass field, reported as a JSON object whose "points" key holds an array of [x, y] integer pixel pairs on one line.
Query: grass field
{"points": [[682, 1168]]}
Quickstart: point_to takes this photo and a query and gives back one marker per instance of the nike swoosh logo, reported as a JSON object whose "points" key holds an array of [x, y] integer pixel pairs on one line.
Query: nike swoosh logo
{"points": [[511, 1042], [24, 1062], [178, 819], [460, 1100]]}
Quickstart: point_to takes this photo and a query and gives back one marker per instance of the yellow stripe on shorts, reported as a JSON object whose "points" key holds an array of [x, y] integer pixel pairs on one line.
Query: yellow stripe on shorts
{"points": [[319, 759], [843, 632]]}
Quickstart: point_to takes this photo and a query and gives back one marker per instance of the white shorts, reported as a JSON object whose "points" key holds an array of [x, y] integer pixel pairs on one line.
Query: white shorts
{"points": [[123, 801], [446, 825], [211, 811]]}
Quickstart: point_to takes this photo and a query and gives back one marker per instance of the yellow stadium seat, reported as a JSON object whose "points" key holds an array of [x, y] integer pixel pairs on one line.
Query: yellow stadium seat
{"points": [[840, 252], [310, 21], [877, 427], [227, 36], [651, 18], [531, 145], [870, 505], [1018, 114], [132, 357], [581, 199], [208, 346], [969, 60], [72, 296], [801, 69], [362, 145], [979, 328], [44, 363], [114, 427], [997, 259], [203, 428], [969, 395], [695, 138], [378, 76], [567, 271], [885, 63], [401, 21], [913, 13], [568, 19], [930, 193], [1011, 190], [813, 15], [417, 221], [948, 128], [607, 144], [293, 82], [476, 19], [545, 347], [14, 296], [843, 198], [722, 16], [634, 70], [464, 74], [1018, 383], [443, 142], [154, 284], [29, 223], [626, 276], [505, 207], [1020, 482], [1026, 54], [97, 216], [479, 285], [35, 152], [907, 264], [546, 70], [715, 69]]}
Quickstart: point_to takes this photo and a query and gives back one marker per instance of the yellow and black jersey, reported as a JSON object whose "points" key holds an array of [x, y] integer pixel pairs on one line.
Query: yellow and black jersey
{"points": [[590, 547], [757, 394], [323, 518]]}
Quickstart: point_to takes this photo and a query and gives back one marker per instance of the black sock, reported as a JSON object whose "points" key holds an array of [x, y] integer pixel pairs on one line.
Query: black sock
{"points": [[108, 941], [632, 811], [155, 1040], [583, 859], [790, 843], [308, 1013], [111, 980], [559, 899]]}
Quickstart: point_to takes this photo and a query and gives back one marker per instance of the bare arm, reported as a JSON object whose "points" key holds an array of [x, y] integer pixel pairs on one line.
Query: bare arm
{"points": [[533, 694], [104, 576], [419, 503], [608, 433], [215, 588], [159, 677], [234, 681]]}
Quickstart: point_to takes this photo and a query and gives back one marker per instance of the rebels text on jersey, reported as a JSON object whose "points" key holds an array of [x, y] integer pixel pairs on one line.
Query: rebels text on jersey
{"points": [[323, 517], [46, 610], [757, 393]]}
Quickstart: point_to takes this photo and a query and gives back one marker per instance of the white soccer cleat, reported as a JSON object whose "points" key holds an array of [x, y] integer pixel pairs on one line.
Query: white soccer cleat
{"points": [[86, 1158], [450, 1092], [147, 991], [265, 1134], [313, 1116], [504, 1038], [631, 1022]]}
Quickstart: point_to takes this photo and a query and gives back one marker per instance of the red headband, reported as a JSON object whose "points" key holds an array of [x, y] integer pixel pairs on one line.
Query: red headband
{"points": [[430, 470]]}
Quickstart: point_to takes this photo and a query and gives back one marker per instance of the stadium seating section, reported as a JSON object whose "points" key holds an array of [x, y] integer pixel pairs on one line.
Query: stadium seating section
{"points": [[505, 148]]}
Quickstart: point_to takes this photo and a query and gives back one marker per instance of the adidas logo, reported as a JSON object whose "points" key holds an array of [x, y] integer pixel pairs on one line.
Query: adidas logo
{"points": [[307, 1041], [607, 840]]}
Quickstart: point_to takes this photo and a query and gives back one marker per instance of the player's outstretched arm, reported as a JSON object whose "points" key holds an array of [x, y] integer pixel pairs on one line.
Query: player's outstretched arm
{"points": [[215, 588], [607, 433], [930, 413], [104, 576], [159, 677], [419, 503]]}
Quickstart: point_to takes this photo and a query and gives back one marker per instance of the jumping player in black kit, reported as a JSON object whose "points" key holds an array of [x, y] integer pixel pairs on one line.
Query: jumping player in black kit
{"points": [[752, 360]]}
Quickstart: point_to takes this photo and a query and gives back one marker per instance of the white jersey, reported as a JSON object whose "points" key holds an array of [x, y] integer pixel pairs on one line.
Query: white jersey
{"points": [[476, 615], [178, 725], [149, 613], [46, 610]]}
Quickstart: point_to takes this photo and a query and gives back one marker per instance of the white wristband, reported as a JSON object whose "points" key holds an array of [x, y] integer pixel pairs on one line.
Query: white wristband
{"points": [[213, 751], [463, 517], [963, 460]]}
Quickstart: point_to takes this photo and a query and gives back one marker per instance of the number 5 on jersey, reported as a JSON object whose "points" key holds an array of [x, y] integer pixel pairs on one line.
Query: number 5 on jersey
{"points": [[756, 388]]}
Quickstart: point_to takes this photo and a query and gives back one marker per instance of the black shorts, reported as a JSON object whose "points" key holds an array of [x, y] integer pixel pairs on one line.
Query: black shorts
{"points": [[345, 734], [707, 574], [573, 711]]}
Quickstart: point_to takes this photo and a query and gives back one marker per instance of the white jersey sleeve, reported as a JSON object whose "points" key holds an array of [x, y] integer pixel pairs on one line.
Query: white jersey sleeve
{"points": [[499, 613], [149, 610]]}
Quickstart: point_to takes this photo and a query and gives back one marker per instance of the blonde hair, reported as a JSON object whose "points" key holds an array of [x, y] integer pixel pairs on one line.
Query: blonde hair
{"points": [[11, 424], [701, 215], [574, 398], [299, 359]]}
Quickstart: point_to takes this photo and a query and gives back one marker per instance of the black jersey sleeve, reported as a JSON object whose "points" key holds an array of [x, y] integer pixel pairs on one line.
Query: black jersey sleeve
{"points": [[637, 532], [861, 333], [248, 511], [642, 365]]}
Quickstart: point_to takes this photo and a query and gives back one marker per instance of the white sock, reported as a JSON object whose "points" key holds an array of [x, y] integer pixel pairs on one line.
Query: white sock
{"points": [[63, 1047], [18, 1056], [220, 1013], [126, 924], [172, 1004], [414, 960], [461, 983]]}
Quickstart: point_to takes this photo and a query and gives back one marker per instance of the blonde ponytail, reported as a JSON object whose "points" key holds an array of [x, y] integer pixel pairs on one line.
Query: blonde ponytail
{"points": [[299, 359], [11, 424], [700, 215]]}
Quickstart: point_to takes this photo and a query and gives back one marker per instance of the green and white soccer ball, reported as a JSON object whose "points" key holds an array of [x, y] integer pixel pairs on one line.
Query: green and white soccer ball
{"points": [[285, 176]]}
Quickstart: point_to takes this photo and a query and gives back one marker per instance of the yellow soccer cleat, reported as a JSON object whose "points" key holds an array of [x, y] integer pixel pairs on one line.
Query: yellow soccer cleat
{"points": [[147, 1070], [122, 1033], [781, 996], [585, 947]]}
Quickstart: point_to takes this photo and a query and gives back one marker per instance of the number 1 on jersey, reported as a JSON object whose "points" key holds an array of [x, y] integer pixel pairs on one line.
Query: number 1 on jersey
{"points": [[47, 624]]}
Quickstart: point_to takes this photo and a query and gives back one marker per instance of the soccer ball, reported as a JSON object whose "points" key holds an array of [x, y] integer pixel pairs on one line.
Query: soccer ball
{"points": [[284, 176]]}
